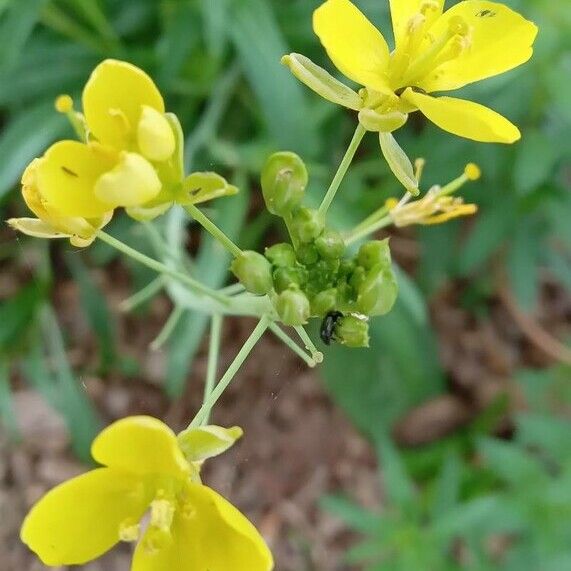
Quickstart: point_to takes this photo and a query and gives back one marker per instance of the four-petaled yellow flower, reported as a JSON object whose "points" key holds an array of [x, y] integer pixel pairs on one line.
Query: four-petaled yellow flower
{"points": [[435, 50], [131, 157], [150, 491]]}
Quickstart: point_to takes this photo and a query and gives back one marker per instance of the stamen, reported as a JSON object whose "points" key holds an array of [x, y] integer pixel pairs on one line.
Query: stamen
{"points": [[471, 172], [129, 530], [419, 168], [64, 105]]}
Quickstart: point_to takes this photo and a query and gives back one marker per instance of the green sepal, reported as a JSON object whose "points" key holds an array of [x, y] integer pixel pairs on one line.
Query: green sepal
{"points": [[202, 442], [399, 163]]}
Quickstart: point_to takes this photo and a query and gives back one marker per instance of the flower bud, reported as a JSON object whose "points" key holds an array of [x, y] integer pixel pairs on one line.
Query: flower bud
{"points": [[374, 253], [358, 277], [284, 178], [253, 271], [293, 307], [286, 277], [281, 255], [330, 244], [307, 225], [378, 292], [352, 331], [307, 254], [324, 302]]}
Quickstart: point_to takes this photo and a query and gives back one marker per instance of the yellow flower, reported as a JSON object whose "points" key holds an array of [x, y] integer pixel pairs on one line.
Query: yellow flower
{"points": [[79, 224], [435, 50], [190, 527], [437, 205]]}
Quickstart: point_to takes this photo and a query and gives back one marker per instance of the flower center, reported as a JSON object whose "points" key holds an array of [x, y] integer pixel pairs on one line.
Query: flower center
{"points": [[413, 60]]}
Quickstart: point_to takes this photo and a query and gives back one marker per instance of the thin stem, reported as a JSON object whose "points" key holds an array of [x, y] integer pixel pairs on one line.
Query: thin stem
{"points": [[212, 229], [161, 268], [143, 295], [168, 328], [233, 289], [377, 215], [226, 379], [355, 236], [342, 170], [309, 345], [287, 340], [213, 352]]}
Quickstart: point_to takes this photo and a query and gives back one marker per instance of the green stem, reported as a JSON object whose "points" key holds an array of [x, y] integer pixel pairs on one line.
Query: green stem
{"points": [[168, 328], [161, 268], [212, 229], [309, 345], [213, 352], [355, 236], [377, 215], [287, 340], [342, 170], [226, 379], [143, 295]]}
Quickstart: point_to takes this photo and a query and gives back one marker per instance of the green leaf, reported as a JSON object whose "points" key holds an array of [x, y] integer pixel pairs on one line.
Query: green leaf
{"points": [[7, 412], [353, 515], [447, 487], [511, 463], [24, 138], [545, 432], [398, 485], [260, 45], [536, 157], [94, 305], [15, 29]]}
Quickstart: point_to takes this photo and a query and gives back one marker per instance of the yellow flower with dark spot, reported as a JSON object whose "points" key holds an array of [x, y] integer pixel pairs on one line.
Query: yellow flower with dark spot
{"points": [[435, 50], [190, 526]]}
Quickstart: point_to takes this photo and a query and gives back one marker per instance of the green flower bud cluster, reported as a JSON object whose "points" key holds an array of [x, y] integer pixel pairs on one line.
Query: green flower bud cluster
{"points": [[313, 277]]}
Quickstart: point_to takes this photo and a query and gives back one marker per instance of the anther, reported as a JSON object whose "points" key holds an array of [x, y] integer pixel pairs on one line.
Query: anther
{"points": [[129, 530]]}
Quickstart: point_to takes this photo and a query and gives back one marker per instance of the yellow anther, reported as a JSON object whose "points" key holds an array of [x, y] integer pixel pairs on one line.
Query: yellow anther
{"points": [[419, 165], [415, 24], [162, 513], [472, 171], [129, 531], [391, 203], [63, 103], [454, 211], [458, 25], [429, 6], [155, 136]]}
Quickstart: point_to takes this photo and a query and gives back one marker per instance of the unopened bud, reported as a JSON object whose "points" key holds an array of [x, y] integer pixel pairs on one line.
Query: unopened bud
{"points": [[307, 225], [293, 307], [352, 331], [307, 254], [374, 253], [284, 178], [324, 302], [281, 255], [330, 244], [254, 272], [378, 292], [286, 277]]}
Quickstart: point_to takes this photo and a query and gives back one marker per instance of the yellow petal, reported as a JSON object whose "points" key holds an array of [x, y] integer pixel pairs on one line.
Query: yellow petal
{"points": [[132, 182], [354, 45], [403, 10], [80, 519], [465, 118], [66, 177], [155, 136], [113, 99], [500, 40], [208, 534], [140, 445]]}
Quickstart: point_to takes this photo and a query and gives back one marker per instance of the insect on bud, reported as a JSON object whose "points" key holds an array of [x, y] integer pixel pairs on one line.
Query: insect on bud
{"points": [[293, 307], [352, 331], [330, 244], [254, 272], [284, 178], [281, 255], [374, 253]]}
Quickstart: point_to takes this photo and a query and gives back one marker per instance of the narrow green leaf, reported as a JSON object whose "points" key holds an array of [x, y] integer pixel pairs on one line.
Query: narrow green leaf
{"points": [[7, 412], [25, 138], [261, 45], [397, 484]]}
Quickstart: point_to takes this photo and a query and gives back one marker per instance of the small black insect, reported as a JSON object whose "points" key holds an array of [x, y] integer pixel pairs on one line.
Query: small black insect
{"points": [[69, 172], [486, 14], [328, 326]]}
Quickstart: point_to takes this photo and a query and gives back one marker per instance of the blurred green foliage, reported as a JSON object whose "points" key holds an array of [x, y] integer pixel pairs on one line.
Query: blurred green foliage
{"points": [[217, 62]]}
